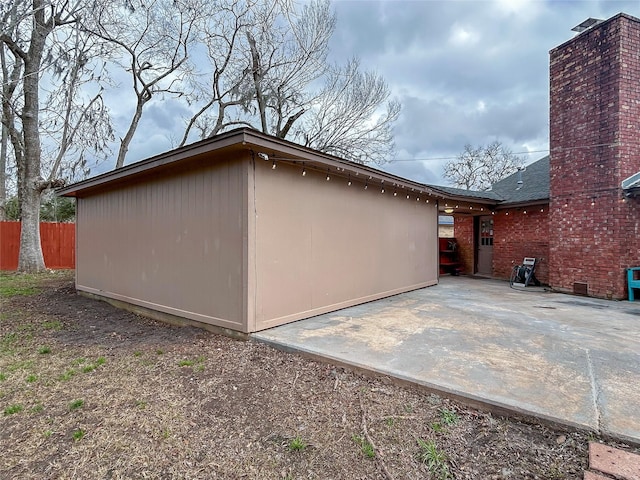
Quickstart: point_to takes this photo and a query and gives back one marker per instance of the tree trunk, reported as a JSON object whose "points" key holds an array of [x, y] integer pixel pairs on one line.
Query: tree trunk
{"points": [[30, 259], [257, 82], [3, 171], [124, 143]]}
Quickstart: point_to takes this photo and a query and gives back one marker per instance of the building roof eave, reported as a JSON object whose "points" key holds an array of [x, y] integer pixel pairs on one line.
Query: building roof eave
{"points": [[248, 139]]}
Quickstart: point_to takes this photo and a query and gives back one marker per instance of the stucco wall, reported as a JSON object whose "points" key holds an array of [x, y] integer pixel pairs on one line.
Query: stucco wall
{"points": [[322, 245], [172, 244]]}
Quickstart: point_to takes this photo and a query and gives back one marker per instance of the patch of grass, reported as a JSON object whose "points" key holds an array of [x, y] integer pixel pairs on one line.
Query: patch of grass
{"points": [[67, 375], [436, 427], [8, 341], [48, 433], [390, 421], [32, 378], [79, 361], [52, 325], [3, 377], [15, 290], [186, 363], [141, 404], [44, 350], [78, 434], [11, 409], [159, 351], [92, 366], [434, 459], [365, 446], [449, 417], [137, 353], [297, 444], [37, 408], [76, 404], [21, 365]]}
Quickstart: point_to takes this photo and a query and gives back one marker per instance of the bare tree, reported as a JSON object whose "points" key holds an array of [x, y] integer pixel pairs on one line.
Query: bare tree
{"points": [[154, 38], [32, 58], [269, 63], [477, 168], [350, 118], [287, 53], [222, 97]]}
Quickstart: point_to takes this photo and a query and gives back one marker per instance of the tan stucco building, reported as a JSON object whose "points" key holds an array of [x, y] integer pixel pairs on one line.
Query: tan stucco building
{"points": [[245, 231]]}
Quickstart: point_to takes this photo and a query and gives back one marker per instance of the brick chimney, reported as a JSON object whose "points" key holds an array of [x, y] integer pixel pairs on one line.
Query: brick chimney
{"points": [[595, 145]]}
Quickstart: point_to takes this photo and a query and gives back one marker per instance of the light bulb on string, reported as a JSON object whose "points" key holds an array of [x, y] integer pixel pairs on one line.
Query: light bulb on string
{"points": [[273, 167]]}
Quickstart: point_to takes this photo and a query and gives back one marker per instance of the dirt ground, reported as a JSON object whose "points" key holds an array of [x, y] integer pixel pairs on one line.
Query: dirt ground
{"points": [[89, 391]]}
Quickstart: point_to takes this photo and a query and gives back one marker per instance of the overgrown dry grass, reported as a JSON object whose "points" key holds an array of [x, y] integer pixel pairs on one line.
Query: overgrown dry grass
{"points": [[88, 391]]}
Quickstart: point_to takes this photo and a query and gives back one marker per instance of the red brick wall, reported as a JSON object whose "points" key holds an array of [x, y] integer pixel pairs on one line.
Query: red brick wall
{"points": [[595, 144], [518, 235], [463, 231]]}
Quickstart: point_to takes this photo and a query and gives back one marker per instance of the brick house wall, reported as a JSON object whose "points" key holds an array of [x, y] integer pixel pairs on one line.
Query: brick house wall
{"points": [[463, 230], [595, 144], [518, 235]]}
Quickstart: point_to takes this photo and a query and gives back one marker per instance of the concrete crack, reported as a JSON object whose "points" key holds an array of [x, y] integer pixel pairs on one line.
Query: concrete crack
{"points": [[595, 391]]}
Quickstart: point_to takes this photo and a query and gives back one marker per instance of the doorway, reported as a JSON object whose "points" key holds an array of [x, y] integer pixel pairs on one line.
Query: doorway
{"points": [[485, 246]]}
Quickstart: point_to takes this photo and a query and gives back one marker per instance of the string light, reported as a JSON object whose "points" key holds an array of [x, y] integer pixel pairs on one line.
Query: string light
{"points": [[273, 167], [382, 190], [304, 170], [328, 177], [349, 181]]}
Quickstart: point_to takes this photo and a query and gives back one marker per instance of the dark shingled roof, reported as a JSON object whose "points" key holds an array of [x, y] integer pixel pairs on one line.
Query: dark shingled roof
{"points": [[535, 184], [486, 194]]}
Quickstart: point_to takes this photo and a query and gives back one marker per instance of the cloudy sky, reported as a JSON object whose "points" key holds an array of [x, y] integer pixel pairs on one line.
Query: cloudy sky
{"points": [[464, 71]]}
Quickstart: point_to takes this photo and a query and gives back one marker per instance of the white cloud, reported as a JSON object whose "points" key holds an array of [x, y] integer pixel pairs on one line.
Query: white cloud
{"points": [[461, 35]]}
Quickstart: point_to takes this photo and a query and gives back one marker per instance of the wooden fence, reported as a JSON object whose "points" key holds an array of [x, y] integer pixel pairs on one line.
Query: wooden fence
{"points": [[58, 245]]}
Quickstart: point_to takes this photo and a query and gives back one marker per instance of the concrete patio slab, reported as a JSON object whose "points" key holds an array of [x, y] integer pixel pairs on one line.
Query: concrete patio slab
{"points": [[572, 360]]}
